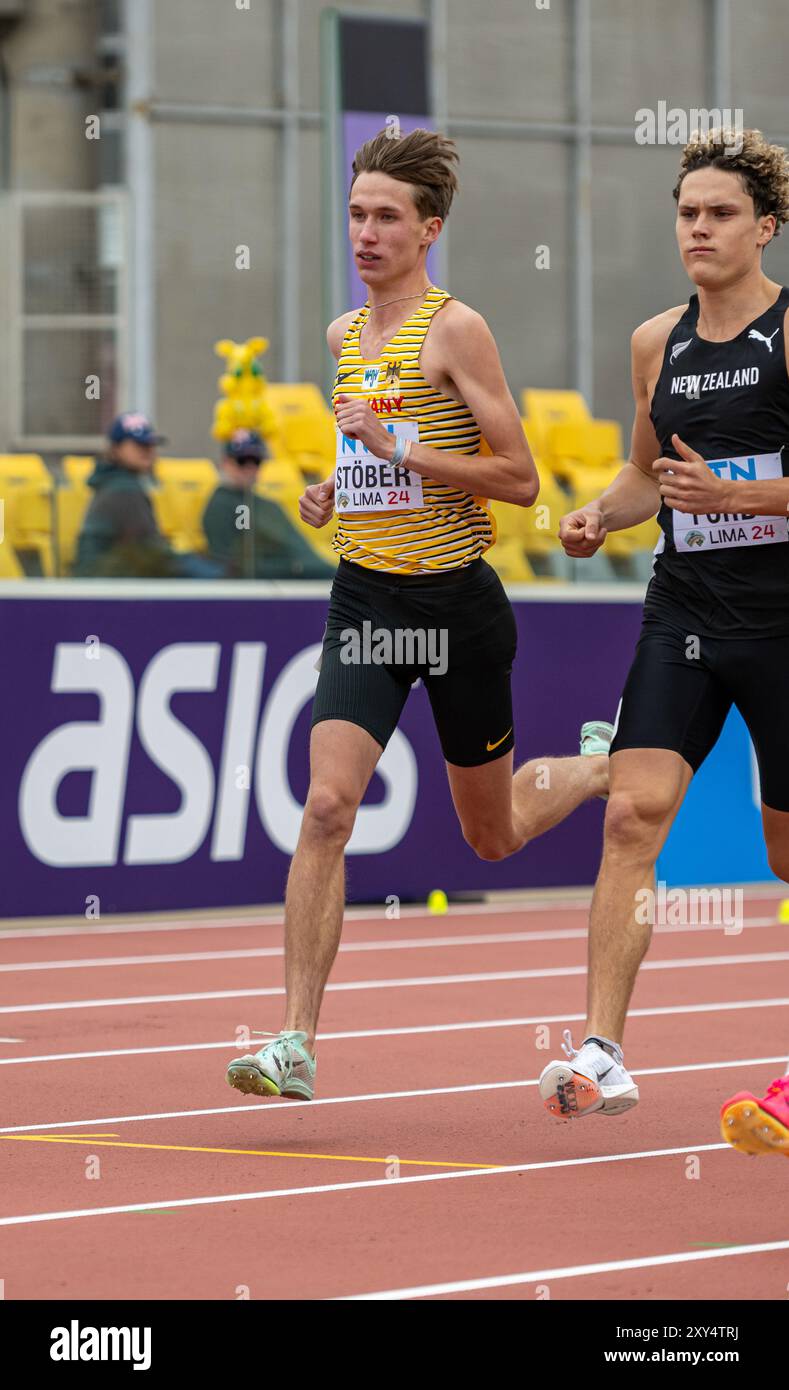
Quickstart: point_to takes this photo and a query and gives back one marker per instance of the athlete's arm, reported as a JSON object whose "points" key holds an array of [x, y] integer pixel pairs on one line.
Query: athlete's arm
{"points": [[634, 495], [769, 498], [465, 352]]}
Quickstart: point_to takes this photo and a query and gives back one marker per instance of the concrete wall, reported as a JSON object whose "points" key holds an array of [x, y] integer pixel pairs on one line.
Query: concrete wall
{"points": [[48, 150], [48, 145], [506, 60], [218, 186]]}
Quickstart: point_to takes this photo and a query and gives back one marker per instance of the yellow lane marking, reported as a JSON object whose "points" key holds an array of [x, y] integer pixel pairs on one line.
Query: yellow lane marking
{"points": [[253, 1153], [108, 1135]]}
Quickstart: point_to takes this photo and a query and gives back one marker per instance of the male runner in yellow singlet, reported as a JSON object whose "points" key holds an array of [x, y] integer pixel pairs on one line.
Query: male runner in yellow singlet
{"points": [[710, 454], [419, 383]]}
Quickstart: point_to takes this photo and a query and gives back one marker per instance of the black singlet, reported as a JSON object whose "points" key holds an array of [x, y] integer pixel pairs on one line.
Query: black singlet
{"points": [[725, 576]]}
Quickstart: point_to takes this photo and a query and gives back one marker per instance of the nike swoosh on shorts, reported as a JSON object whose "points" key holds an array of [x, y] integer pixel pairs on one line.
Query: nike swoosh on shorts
{"points": [[491, 746]]}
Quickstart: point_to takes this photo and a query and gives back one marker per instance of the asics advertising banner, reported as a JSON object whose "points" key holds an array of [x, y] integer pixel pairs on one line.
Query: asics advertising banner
{"points": [[155, 753]]}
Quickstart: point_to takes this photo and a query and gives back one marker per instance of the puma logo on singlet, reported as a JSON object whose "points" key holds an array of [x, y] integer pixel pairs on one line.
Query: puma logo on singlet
{"points": [[677, 349], [754, 333]]}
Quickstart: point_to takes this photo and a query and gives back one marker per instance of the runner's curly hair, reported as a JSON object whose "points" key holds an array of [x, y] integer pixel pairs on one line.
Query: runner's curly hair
{"points": [[763, 169], [423, 158]]}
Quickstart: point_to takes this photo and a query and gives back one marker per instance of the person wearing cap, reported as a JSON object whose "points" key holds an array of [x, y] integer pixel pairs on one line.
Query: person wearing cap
{"points": [[119, 535], [260, 542]]}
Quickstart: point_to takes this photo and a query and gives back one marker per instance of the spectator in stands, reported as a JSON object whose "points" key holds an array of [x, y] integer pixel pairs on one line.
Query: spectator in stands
{"points": [[248, 535], [119, 536]]}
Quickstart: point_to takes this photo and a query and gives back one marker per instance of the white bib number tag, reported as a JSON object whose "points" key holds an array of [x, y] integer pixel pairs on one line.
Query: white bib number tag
{"points": [[365, 483], [726, 530]]}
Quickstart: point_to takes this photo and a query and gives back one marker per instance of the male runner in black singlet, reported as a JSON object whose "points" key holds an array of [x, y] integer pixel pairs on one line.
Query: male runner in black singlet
{"points": [[710, 454], [419, 383]]}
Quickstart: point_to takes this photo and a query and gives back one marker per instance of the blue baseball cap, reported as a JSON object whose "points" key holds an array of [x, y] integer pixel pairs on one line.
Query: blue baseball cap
{"points": [[245, 444], [132, 425]]}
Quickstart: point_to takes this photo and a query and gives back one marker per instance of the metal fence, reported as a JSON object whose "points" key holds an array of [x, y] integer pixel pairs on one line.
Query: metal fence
{"points": [[69, 318]]}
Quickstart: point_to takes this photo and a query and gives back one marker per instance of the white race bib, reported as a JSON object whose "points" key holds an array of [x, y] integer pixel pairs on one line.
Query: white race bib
{"points": [[366, 483], [724, 531]]}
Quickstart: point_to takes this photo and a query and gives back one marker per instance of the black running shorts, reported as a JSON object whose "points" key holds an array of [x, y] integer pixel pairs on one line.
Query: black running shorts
{"points": [[454, 629], [680, 690]]}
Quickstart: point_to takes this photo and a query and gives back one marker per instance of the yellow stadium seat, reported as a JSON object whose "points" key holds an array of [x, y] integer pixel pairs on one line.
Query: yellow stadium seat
{"points": [[305, 423], [535, 529], [19, 470], [509, 561], [77, 468], [589, 483], [542, 520], [71, 504], [587, 444], [587, 487], [182, 488], [544, 409], [290, 397], [281, 481], [634, 540], [186, 474], [10, 567], [29, 520]]}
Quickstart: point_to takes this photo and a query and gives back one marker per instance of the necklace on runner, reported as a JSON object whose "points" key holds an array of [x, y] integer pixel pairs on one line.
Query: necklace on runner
{"points": [[386, 302]]}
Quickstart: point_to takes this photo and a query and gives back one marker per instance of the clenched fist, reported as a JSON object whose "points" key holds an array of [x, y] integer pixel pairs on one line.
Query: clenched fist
{"points": [[688, 484], [582, 532], [317, 503]]}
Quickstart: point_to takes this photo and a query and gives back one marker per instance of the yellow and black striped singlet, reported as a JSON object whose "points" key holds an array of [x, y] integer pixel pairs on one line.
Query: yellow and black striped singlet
{"points": [[453, 527]]}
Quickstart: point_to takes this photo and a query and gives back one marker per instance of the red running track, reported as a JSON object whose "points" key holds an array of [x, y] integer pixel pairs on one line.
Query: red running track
{"points": [[426, 1167]]}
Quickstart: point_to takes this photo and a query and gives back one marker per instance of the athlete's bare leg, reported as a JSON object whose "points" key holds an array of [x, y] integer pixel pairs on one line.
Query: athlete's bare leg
{"points": [[776, 838], [647, 789], [499, 813], [343, 758]]}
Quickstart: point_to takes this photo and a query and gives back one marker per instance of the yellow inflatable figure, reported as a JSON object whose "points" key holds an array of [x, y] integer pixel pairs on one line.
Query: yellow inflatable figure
{"points": [[243, 386]]}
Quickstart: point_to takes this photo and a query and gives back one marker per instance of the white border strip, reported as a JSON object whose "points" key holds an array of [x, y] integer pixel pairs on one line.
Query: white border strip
{"points": [[408, 981], [35, 1217], [379, 1095], [666, 1010], [277, 919], [254, 918], [395, 944], [538, 1276], [254, 590]]}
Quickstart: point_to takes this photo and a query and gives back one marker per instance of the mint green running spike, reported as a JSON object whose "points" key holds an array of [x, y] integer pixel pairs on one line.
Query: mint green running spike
{"points": [[596, 737], [283, 1067]]}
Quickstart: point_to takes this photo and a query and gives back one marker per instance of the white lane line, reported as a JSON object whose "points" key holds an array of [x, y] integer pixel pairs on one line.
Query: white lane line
{"points": [[538, 1276], [662, 1010], [548, 907], [263, 1108], [399, 944], [276, 919], [35, 1217], [11, 1040], [409, 981], [378, 1095]]}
